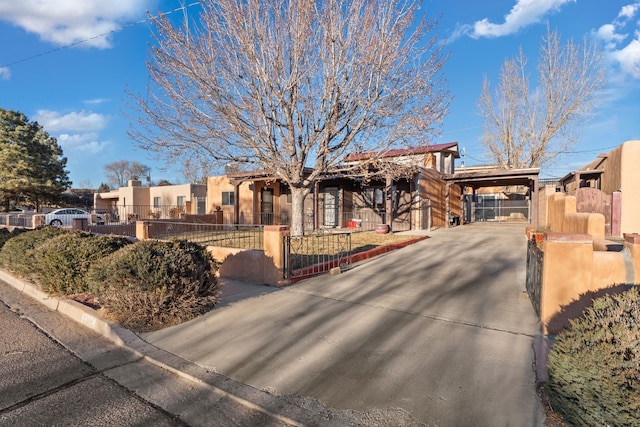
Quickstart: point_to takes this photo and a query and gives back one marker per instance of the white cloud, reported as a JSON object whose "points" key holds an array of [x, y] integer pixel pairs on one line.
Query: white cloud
{"points": [[523, 14], [95, 101], [63, 22], [82, 121], [629, 57], [5, 73], [86, 142], [629, 11], [622, 40]]}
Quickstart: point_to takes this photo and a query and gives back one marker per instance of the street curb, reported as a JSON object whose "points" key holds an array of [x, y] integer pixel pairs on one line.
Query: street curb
{"points": [[243, 394]]}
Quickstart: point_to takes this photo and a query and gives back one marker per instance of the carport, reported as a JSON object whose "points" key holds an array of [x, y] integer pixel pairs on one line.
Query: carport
{"points": [[497, 178]]}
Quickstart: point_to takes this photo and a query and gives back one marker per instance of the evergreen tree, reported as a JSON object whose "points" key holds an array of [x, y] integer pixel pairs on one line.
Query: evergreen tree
{"points": [[32, 166]]}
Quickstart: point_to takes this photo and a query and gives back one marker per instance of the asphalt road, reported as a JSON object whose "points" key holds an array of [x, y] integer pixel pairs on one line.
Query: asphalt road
{"points": [[81, 379], [42, 383]]}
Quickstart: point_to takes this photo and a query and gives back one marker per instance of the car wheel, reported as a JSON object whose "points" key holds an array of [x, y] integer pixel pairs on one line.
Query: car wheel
{"points": [[55, 222]]}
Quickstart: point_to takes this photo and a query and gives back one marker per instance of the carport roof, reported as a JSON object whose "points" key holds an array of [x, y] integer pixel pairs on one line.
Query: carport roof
{"points": [[494, 177]]}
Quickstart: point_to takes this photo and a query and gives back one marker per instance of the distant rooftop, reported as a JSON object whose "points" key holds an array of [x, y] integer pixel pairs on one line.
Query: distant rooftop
{"points": [[451, 147]]}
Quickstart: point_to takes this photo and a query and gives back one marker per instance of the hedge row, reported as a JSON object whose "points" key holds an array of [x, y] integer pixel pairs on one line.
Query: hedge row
{"points": [[143, 286], [594, 366]]}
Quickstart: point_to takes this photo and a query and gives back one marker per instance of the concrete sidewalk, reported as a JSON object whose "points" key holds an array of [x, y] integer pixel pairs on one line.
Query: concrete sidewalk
{"points": [[442, 329]]}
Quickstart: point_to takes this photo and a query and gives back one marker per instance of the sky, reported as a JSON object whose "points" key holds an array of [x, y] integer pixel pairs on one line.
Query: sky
{"points": [[68, 65]]}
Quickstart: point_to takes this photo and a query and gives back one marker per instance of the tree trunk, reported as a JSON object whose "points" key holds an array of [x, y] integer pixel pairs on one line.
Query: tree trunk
{"points": [[297, 211]]}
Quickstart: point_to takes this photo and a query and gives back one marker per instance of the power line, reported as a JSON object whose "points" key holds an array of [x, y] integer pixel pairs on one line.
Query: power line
{"points": [[117, 30]]}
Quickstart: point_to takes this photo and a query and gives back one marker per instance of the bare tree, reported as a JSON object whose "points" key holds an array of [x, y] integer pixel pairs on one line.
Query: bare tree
{"points": [[292, 86], [195, 170], [120, 171], [528, 128]]}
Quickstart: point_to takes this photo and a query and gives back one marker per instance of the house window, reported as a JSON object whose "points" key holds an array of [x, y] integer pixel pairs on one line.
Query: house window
{"points": [[374, 198], [156, 202], [180, 201], [228, 198], [285, 190]]}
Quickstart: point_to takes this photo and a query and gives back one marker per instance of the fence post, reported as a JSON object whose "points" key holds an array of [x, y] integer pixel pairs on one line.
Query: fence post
{"points": [[142, 230], [273, 245], [566, 273]]}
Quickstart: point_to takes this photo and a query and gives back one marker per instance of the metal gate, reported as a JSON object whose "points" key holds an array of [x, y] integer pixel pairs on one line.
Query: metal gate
{"points": [[313, 254], [535, 260], [488, 207]]}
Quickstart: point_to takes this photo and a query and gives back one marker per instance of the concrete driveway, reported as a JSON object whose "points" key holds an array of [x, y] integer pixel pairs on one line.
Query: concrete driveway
{"points": [[443, 329]]}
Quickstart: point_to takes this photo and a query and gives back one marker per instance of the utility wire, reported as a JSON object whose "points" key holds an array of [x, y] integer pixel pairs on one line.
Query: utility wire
{"points": [[117, 30]]}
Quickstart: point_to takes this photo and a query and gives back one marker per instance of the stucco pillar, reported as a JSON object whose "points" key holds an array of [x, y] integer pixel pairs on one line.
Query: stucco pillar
{"points": [[567, 273], [273, 245], [632, 243], [142, 230], [616, 209]]}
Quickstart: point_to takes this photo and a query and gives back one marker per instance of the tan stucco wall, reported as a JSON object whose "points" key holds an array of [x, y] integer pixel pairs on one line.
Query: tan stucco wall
{"points": [[169, 193], [571, 269], [621, 172], [630, 187]]}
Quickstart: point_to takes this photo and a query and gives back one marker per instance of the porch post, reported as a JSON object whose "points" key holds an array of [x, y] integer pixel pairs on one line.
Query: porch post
{"points": [[447, 205], [388, 207], [473, 205], [534, 200], [316, 206], [236, 203]]}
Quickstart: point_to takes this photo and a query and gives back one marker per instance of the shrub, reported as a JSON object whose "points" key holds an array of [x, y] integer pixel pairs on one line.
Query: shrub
{"points": [[16, 253], [6, 234], [154, 284], [594, 366], [62, 263]]}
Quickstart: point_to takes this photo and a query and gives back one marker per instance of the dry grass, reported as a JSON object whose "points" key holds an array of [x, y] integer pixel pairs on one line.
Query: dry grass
{"points": [[372, 239]]}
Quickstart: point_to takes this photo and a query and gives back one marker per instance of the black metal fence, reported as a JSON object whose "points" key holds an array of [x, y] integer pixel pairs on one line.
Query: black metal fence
{"points": [[535, 258], [316, 253], [225, 235]]}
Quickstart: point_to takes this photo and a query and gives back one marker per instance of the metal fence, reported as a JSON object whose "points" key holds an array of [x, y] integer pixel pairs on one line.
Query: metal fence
{"points": [[230, 236], [132, 213], [316, 253], [535, 258], [364, 220], [491, 209]]}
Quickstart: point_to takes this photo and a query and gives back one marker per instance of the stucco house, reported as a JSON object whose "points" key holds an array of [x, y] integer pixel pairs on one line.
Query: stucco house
{"points": [[136, 201], [403, 201], [610, 185]]}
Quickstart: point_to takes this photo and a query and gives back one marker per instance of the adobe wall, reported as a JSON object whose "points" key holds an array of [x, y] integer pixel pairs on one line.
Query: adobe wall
{"points": [[630, 187], [574, 273]]}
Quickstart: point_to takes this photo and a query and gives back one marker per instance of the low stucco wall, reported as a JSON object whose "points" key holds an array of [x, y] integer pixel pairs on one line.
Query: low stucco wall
{"points": [[574, 273], [584, 223], [240, 264]]}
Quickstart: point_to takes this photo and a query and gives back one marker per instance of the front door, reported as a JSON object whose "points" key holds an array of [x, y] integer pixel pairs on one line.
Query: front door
{"points": [[330, 207], [266, 206]]}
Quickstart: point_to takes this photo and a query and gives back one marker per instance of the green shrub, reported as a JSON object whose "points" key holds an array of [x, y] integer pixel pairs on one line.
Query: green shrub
{"points": [[154, 284], [62, 263], [16, 254], [6, 234], [594, 366]]}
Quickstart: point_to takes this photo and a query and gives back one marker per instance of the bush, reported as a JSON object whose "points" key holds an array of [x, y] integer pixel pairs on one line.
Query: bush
{"points": [[16, 254], [62, 263], [6, 234], [594, 366], [154, 284]]}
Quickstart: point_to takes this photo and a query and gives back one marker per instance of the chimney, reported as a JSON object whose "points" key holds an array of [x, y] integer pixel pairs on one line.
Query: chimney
{"points": [[134, 183]]}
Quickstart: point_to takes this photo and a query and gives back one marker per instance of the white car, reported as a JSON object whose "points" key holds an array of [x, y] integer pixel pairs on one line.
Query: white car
{"points": [[64, 217]]}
